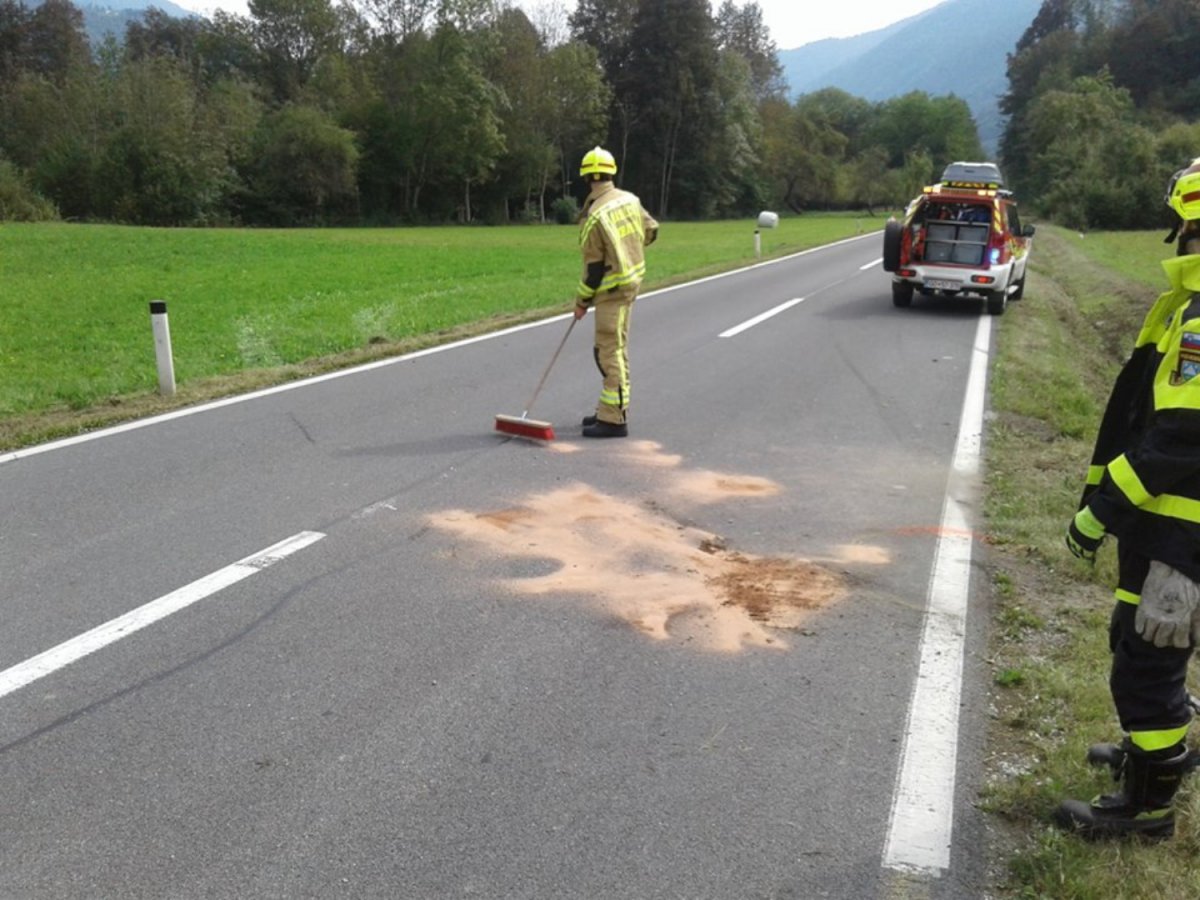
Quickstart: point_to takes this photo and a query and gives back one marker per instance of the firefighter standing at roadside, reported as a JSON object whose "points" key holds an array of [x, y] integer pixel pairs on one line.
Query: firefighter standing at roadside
{"points": [[613, 232], [1143, 487]]}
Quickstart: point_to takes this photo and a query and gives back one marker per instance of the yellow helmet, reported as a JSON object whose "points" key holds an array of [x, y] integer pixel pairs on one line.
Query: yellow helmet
{"points": [[1183, 192], [598, 161]]}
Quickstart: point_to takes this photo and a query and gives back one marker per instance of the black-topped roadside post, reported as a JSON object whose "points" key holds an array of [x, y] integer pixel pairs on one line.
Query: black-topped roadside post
{"points": [[162, 347]]}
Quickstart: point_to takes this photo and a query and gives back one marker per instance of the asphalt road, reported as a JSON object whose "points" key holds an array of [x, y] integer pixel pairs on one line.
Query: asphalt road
{"points": [[676, 665]]}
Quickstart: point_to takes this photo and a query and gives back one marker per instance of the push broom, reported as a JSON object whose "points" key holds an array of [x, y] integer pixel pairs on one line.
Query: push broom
{"points": [[522, 425]]}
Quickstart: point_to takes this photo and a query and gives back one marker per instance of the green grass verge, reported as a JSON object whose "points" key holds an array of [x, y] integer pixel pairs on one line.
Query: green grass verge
{"points": [[254, 307], [1056, 354]]}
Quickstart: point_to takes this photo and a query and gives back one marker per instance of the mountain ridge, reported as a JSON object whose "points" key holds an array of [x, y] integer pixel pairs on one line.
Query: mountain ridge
{"points": [[102, 19], [958, 47]]}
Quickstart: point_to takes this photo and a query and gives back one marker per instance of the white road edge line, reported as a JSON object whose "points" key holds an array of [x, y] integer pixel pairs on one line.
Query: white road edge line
{"points": [[62, 443], [872, 264], [759, 319], [22, 674], [922, 819]]}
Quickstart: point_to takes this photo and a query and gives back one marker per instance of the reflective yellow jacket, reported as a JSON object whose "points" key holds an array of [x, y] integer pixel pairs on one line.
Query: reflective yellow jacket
{"points": [[613, 233], [1144, 480]]}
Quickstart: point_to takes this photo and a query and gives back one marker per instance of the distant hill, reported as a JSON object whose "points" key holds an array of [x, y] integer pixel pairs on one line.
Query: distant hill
{"points": [[959, 47], [100, 20]]}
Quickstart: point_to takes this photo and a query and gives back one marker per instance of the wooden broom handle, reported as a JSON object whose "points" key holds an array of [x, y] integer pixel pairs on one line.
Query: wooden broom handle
{"points": [[537, 390]]}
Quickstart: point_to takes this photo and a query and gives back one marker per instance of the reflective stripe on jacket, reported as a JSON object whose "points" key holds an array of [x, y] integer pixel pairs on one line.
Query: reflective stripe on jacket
{"points": [[1144, 480]]}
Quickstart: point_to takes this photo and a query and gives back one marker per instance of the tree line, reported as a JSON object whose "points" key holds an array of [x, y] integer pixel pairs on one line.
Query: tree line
{"points": [[397, 111], [1103, 105]]}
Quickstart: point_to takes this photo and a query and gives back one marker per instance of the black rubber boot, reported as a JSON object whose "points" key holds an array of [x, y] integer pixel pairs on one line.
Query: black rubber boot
{"points": [[589, 420], [1143, 805], [1113, 756], [605, 429]]}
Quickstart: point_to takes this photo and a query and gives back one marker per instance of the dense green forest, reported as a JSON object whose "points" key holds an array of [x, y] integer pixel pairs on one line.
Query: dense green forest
{"points": [[1103, 105], [394, 111], [386, 111]]}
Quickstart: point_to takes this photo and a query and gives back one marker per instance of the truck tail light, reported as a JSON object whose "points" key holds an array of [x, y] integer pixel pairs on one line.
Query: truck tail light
{"points": [[997, 248]]}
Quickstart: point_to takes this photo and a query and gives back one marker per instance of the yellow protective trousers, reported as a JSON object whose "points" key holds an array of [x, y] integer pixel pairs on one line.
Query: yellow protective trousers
{"points": [[612, 311]]}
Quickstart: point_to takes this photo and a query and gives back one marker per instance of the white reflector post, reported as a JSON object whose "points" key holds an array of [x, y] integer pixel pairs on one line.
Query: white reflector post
{"points": [[766, 219], [162, 347]]}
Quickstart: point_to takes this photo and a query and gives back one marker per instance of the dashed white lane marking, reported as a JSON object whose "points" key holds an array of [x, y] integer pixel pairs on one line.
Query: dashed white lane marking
{"points": [[759, 319], [76, 648], [922, 821], [872, 264]]}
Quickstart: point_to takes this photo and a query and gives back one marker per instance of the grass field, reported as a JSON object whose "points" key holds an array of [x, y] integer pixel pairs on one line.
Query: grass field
{"points": [[1134, 255], [249, 307]]}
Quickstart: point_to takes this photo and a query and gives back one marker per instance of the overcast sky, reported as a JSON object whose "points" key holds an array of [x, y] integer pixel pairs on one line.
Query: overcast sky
{"points": [[793, 23]]}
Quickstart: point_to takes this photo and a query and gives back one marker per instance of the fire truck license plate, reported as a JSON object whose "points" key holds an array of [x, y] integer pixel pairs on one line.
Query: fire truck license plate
{"points": [[941, 284]]}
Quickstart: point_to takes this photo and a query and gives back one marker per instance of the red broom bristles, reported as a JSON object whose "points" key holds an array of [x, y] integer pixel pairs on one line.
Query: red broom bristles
{"points": [[521, 427]]}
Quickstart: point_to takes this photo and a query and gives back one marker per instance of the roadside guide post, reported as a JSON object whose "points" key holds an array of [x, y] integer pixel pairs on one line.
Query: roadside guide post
{"points": [[765, 220], [162, 347]]}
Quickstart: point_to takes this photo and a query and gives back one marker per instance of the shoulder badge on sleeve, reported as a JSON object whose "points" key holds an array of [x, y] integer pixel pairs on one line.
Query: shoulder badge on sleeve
{"points": [[1189, 357]]}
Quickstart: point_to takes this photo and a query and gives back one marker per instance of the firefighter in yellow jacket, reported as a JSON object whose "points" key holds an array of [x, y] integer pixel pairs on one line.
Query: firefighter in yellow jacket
{"points": [[613, 233], [1143, 487]]}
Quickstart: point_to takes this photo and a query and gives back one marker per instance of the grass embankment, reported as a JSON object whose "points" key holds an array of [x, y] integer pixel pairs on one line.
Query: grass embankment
{"points": [[1057, 353], [248, 308]]}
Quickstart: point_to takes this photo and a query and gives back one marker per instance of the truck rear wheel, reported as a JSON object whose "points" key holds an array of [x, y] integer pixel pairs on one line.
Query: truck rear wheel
{"points": [[996, 302], [893, 235], [902, 294]]}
